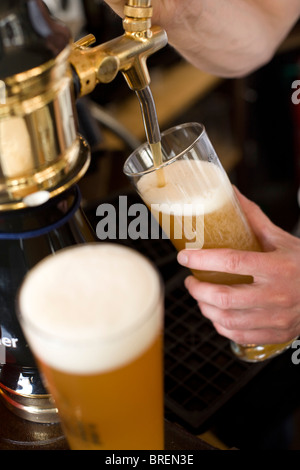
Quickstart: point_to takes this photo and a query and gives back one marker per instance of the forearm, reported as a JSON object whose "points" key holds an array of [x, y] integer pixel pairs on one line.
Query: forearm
{"points": [[228, 38]]}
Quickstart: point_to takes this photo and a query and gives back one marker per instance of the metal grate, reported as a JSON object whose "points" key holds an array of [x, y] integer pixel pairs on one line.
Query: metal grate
{"points": [[201, 372]]}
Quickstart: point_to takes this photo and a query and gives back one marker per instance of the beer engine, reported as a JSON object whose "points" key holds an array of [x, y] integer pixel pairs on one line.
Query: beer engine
{"points": [[42, 157]]}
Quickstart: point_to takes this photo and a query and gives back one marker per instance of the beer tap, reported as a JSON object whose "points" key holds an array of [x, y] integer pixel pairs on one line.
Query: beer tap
{"points": [[42, 157], [127, 54], [38, 103]]}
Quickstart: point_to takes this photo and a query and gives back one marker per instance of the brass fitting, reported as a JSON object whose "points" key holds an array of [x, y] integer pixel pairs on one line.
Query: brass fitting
{"points": [[138, 14], [127, 53], [37, 105]]}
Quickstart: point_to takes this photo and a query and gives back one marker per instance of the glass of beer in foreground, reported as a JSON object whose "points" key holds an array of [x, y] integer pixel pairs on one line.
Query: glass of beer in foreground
{"points": [[188, 192], [93, 317]]}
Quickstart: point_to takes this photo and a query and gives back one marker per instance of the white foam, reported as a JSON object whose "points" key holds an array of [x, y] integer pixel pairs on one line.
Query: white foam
{"points": [[89, 308], [202, 186]]}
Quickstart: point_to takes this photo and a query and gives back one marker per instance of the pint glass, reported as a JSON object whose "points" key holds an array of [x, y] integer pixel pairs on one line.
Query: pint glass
{"points": [[196, 206], [93, 317]]}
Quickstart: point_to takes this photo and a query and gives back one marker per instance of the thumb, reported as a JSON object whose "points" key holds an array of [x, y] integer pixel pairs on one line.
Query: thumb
{"points": [[258, 220]]}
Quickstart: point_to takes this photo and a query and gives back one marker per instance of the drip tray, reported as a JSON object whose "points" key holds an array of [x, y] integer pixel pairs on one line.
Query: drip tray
{"points": [[201, 372]]}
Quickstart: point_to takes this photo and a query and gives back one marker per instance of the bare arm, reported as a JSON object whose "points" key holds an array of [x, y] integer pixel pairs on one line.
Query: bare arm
{"points": [[225, 37]]}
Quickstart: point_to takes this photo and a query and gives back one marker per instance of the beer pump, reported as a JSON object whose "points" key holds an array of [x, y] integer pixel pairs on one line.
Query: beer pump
{"points": [[42, 157]]}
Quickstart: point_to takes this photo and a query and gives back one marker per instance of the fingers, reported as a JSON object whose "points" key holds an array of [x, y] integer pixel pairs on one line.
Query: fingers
{"points": [[245, 313], [226, 297], [249, 326], [223, 260], [255, 337]]}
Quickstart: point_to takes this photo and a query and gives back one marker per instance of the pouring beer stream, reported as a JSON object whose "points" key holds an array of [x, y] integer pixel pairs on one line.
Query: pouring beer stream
{"points": [[152, 130]]}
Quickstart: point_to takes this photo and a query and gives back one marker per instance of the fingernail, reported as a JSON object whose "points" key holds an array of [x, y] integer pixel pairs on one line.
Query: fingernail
{"points": [[182, 258]]}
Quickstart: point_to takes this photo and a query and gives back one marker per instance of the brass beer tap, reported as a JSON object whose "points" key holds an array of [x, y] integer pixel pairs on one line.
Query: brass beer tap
{"points": [[127, 54], [37, 101]]}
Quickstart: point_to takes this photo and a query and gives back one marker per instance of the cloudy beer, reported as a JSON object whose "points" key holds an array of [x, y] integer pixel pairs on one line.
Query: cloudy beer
{"points": [[93, 318], [200, 217], [197, 207]]}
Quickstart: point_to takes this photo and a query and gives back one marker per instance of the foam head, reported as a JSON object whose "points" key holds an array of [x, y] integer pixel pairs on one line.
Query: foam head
{"points": [[91, 308], [193, 182]]}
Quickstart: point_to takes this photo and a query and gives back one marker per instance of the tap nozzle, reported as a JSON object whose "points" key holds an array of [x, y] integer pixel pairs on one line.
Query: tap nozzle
{"points": [[127, 54]]}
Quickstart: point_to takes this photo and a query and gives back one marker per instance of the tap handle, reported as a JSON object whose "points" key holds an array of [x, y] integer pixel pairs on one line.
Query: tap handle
{"points": [[86, 41]]}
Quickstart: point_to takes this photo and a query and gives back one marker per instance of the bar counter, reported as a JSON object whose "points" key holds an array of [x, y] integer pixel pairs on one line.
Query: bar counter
{"points": [[19, 434]]}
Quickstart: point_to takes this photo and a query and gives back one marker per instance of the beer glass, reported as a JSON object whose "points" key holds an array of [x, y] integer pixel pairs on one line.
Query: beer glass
{"points": [[195, 204], [93, 317]]}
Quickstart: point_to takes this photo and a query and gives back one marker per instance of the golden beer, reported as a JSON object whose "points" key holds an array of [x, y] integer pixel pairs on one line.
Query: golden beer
{"points": [[197, 208], [104, 420], [211, 212], [93, 318]]}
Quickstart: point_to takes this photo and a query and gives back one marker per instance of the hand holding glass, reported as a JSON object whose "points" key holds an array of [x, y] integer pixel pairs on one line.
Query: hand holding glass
{"points": [[196, 206]]}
